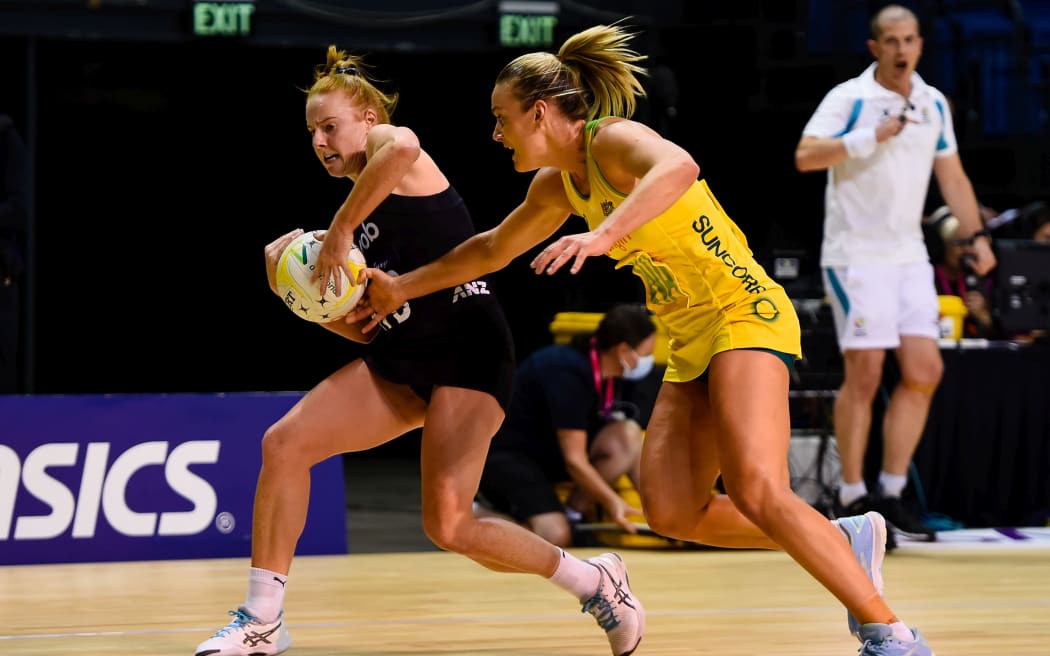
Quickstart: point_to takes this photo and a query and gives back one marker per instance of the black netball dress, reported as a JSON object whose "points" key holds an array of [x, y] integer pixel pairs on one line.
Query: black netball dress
{"points": [[457, 336]]}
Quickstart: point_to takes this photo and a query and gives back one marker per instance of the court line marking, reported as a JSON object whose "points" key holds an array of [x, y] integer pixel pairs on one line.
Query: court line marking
{"points": [[517, 619]]}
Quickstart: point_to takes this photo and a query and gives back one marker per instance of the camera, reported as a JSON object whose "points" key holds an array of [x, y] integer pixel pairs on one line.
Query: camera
{"points": [[971, 279]]}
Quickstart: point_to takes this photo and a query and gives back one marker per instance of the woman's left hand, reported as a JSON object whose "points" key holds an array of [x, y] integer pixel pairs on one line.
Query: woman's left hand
{"points": [[273, 252], [571, 247]]}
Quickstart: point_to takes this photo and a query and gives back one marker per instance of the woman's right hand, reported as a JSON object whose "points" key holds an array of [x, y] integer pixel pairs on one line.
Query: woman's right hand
{"points": [[273, 253], [383, 296]]}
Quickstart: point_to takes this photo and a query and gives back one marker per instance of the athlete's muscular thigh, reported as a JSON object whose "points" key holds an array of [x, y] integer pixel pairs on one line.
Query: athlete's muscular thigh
{"points": [[679, 455], [350, 410], [749, 399]]}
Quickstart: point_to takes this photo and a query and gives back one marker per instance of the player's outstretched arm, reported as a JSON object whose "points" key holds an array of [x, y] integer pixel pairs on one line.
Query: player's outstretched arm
{"points": [[544, 209]]}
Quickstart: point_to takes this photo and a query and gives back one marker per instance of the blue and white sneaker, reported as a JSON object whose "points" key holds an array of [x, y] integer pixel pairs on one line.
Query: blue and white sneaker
{"points": [[878, 640], [247, 636], [867, 535], [617, 611]]}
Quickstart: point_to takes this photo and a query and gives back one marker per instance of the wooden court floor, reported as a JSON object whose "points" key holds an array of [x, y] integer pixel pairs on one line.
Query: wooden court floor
{"points": [[729, 603]]}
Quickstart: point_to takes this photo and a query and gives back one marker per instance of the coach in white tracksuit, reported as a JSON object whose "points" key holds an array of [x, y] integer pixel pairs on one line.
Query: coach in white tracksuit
{"points": [[879, 135]]}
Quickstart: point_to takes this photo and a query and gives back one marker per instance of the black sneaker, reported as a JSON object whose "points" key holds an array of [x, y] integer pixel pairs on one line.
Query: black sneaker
{"points": [[903, 521], [857, 508]]}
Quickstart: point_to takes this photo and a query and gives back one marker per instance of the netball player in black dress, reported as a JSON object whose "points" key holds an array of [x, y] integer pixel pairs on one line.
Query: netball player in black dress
{"points": [[443, 361]]}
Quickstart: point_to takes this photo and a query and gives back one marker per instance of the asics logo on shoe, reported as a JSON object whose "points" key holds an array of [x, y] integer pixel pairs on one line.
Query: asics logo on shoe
{"points": [[602, 608], [619, 593], [247, 636], [254, 638]]}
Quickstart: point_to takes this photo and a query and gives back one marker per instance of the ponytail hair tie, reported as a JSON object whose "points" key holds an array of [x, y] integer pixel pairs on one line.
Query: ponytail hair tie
{"points": [[347, 70]]}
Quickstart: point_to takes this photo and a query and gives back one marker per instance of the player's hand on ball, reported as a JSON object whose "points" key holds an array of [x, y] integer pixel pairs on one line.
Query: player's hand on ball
{"points": [[273, 252], [332, 259], [382, 297]]}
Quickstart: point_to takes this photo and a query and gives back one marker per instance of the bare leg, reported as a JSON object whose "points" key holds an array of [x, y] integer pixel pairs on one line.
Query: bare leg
{"points": [[921, 370], [753, 435], [863, 373], [616, 451], [456, 434], [319, 426], [551, 526], [680, 464]]}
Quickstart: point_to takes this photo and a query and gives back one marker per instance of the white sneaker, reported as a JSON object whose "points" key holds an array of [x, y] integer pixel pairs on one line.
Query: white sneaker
{"points": [[866, 534], [878, 640], [614, 607], [247, 636]]}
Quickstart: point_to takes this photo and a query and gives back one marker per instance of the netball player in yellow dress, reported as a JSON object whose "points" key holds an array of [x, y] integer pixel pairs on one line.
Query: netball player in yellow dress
{"points": [[723, 405]]}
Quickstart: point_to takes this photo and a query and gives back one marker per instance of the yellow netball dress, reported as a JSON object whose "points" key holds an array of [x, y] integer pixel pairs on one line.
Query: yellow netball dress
{"points": [[700, 277]]}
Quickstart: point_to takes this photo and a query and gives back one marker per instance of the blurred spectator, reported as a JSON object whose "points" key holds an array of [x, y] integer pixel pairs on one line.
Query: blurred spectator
{"points": [[1031, 221], [1039, 221], [568, 423], [1027, 222], [954, 275], [14, 224]]}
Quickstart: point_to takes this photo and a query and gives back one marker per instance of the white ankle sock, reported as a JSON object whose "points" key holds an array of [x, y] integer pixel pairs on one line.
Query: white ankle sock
{"points": [[265, 594], [577, 576], [902, 632], [892, 484], [850, 492]]}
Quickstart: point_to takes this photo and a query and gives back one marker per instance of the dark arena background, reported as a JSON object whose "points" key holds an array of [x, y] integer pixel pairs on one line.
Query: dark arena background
{"points": [[143, 357], [167, 145]]}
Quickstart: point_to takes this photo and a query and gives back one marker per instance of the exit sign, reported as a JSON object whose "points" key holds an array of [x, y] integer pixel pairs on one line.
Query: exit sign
{"points": [[526, 24], [223, 18]]}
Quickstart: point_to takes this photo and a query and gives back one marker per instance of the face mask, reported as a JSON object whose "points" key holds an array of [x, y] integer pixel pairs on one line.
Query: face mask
{"points": [[640, 370]]}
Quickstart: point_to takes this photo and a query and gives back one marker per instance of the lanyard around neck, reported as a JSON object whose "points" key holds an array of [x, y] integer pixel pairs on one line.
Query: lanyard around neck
{"points": [[947, 285], [596, 370]]}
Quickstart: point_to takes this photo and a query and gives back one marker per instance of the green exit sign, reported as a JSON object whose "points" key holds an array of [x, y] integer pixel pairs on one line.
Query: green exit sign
{"points": [[223, 18], [527, 23]]}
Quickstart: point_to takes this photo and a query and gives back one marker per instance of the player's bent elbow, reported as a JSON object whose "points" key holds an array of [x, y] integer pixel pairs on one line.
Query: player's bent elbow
{"points": [[810, 156], [689, 168], [803, 162]]}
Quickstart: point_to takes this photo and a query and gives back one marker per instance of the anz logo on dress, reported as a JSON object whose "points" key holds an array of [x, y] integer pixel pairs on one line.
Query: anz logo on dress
{"points": [[475, 288]]}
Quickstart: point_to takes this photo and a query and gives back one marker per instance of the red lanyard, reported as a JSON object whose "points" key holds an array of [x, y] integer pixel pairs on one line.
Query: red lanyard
{"points": [[596, 369], [947, 286]]}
